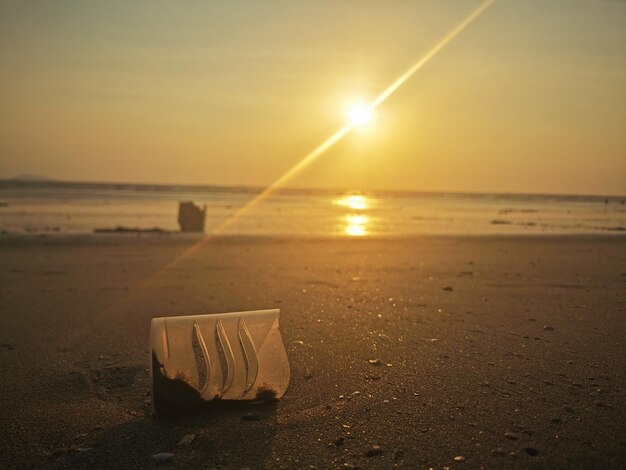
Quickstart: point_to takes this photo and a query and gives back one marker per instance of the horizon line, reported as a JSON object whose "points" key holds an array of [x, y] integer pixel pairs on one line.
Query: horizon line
{"points": [[259, 188]]}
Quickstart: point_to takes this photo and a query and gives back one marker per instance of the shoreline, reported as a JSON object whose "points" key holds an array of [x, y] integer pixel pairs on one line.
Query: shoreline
{"points": [[176, 235]]}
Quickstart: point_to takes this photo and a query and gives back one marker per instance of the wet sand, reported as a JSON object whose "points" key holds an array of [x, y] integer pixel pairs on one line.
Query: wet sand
{"points": [[504, 352]]}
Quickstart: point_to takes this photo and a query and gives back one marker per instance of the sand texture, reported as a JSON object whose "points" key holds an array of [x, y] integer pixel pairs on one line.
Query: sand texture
{"points": [[500, 352]]}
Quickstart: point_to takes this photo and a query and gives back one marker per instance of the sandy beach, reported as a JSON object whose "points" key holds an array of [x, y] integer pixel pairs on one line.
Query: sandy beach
{"points": [[495, 352], [429, 199]]}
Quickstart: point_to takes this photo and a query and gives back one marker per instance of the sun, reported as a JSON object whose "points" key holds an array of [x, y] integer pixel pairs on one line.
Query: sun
{"points": [[359, 114]]}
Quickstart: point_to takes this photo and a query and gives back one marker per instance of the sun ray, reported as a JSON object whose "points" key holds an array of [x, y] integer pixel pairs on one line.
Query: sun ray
{"points": [[432, 52], [337, 136]]}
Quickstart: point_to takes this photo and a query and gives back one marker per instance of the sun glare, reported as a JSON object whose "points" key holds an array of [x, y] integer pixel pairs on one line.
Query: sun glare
{"points": [[359, 114], [356, 225], [353, 201]]}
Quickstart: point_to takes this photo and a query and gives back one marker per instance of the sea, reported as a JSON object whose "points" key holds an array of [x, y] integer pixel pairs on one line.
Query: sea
{"points": [[52, 207]]}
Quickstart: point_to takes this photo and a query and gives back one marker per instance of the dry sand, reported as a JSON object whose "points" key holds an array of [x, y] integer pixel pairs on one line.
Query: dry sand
{"points": [[506, 352]]}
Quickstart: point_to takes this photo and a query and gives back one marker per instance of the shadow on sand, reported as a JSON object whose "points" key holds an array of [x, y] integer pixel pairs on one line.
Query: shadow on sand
{"points": [[225, 435]]}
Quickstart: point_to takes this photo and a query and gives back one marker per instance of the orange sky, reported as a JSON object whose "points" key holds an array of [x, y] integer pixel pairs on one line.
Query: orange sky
{"points": [[530, 98]]}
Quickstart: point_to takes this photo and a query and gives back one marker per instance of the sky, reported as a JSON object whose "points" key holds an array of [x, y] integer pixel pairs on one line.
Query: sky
{"points": [[531, 97]]}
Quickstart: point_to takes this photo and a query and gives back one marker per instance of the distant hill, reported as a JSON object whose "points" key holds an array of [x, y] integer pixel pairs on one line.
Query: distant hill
{"points": [[28, 177]]}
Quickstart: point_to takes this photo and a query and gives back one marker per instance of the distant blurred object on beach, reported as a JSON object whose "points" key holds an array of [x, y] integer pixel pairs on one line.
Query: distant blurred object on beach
{"points": [[191, 217]]}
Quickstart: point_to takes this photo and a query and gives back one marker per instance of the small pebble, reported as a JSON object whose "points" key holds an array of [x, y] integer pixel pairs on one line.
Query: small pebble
{"points": [[186, 440], [80, 437], [531, 451], [548, 328], [376, 362], [162, 457], [459, 458], [348, 466], [448, 289], [58, 451], [373, 451], [510, 435]]}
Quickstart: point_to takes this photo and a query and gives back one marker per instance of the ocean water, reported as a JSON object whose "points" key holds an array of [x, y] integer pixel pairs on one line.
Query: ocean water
{"points": [[59, 207]]}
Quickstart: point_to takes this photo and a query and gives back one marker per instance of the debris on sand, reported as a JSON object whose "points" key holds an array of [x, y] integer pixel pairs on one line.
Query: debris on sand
{"points": [[171, 396], [373, 451], [191, 217], [162, 457], [265, 393], [186, 440]]}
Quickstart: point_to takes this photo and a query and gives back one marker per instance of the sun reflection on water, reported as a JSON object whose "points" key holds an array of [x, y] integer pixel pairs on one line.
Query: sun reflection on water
{"points": [[353, 201], [356, 225], [356, 222]]}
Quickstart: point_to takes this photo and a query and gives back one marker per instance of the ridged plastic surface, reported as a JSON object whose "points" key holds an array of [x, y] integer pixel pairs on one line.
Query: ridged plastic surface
{"points": [[226, 356]]}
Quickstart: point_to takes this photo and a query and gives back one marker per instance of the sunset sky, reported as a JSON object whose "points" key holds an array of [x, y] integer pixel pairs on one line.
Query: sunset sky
{"points": [[531, 97]]}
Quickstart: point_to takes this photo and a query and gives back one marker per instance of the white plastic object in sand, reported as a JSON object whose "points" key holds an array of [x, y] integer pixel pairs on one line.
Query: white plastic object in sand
{"points": [[226, 356]]}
